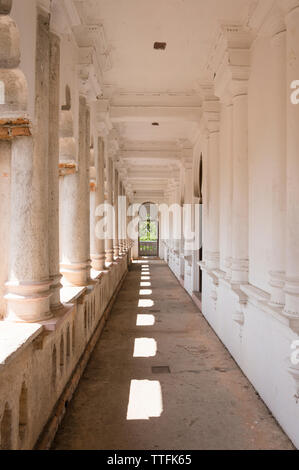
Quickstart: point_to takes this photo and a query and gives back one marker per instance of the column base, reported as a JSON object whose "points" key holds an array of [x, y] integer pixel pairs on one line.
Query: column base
{"points": [[109, 256], [291, 291], [55, 292], [98, 262], [76, 274], [240, 271], [212, 260], [277, 282], [228, 269], [28, 302], [116, 252]]}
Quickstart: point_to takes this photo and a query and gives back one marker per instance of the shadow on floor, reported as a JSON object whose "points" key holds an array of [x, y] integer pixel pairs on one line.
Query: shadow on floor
{"points": [[202, 401]]}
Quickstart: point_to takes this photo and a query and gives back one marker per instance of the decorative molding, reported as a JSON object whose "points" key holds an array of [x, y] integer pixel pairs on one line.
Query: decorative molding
{"points": [[229, 62]]}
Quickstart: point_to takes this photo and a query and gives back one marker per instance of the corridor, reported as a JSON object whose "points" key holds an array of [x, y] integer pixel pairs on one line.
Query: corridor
{"points": [[196, 397]]}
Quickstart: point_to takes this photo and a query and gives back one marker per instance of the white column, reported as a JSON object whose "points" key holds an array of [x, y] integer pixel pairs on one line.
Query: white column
{"points": [[122, 211], [232, 78], [98, 258], [109, 238], [116, 216], [75, 262], [213, 254], [211, 116], [240, 260], [292, 216], [92, 219], [54, 84], [278, 163], [188, 200], [226, 155], [29, 284]]}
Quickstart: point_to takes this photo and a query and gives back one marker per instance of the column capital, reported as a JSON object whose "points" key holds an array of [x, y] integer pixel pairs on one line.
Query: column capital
{"points": [[231, 61], [210, 106]]}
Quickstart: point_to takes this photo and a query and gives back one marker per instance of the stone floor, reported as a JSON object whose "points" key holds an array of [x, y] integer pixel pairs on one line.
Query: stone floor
{"points": [[205, 402]]}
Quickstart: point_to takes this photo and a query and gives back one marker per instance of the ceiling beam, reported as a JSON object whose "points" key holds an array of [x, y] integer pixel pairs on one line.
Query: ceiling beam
{"points": [[155, 114]]}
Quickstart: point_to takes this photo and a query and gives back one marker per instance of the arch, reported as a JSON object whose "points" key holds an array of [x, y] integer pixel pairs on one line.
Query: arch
{"points": [[68, 343], [148, 230], [198, 178], [73, 337], [68, 99], [54, 366], [6, 428], [85, 317], [61, 354], [23, 412]]}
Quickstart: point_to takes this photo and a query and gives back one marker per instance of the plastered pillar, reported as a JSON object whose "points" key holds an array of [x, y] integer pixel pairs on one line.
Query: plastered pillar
{"points": [[98, 257], [226, 154], [292, 216], [116, 216], [75, 262], [188, 200], [54, 265], [28, 288], [278, 163], [213, 255], [109, 209], [240, 260], [210, 131]]}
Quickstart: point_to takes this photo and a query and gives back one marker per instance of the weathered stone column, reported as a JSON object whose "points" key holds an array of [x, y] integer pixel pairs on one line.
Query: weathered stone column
{"points": [[121, 219], [29, 284], [128, 220], [116, 250], [109, 212], [278, 161], [292, 216], [98, 258], [54, 265], [92, 218], [75, 262]]}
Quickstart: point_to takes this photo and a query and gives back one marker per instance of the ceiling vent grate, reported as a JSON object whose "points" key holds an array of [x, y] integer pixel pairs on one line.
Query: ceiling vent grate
{"points": [[160, 46]]}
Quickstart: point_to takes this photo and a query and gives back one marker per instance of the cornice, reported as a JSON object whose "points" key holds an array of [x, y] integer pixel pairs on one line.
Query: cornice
{"points": [[210, 106], [231, 61]]}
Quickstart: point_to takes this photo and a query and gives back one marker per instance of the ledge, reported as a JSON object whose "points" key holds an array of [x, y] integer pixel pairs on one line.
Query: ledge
{"points": [[14, 337], [70, 294]]}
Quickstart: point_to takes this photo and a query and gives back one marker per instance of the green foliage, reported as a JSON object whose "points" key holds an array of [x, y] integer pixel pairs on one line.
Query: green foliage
{"points": [[148, 231]]}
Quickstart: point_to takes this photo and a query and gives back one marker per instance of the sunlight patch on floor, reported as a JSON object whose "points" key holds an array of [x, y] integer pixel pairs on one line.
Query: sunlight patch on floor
{"points": [[145, 292], [145, 347], [145, 400], [145, 303], [145, 320]]}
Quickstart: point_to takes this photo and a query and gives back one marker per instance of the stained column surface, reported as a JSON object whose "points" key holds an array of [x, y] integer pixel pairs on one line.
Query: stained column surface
{"points": [[75, 262]]}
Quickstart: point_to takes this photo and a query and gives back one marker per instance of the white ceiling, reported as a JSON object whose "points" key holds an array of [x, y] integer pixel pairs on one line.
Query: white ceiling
{"points": [[146, 85]]}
